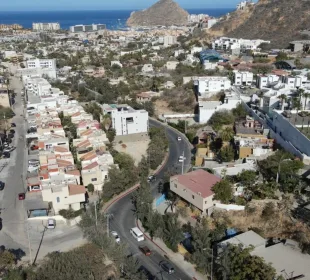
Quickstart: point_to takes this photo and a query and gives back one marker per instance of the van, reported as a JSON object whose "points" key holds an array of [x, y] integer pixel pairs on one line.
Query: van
{"points": [[137, 234]]}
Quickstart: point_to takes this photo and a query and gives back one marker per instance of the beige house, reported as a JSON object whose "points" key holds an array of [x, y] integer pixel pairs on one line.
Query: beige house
{"points": [[95, 174], [64, 196], [196, 188]]}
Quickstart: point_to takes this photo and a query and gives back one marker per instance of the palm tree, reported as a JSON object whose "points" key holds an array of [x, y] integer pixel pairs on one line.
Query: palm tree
{"points": [[283, 99], [227, 134], [172, 232]]}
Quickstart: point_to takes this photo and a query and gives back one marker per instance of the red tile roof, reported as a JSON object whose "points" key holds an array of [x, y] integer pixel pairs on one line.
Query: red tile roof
{"points": [[198, 181], [88, 156], [63, 163], [83, 144], [60, 149], [74, 172], [91, 166], [76, 189]]}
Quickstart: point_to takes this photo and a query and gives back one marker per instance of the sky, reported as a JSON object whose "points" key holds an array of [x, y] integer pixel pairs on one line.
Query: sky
{"points": [[56, 5]]}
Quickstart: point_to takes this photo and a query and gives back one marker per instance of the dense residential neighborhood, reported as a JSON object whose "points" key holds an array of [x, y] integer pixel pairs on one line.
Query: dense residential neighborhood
{"points": [[153, 152]]}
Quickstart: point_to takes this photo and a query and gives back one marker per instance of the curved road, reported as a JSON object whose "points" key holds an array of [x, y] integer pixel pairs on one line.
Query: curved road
{"points": [[124, 216]]}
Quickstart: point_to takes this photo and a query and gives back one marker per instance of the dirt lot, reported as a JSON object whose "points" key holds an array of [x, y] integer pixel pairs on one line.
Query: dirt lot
{"points": [[275, 223], [135, 149]]}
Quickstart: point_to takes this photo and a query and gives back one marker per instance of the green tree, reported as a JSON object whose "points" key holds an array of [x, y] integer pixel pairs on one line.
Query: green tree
{"points": [[172, 232], [111, 135], [239, 112], [220, 118], [7, 259], [201, 256], [241, 265], [227, 153], [281, 56], [227, 134], [91, 188], [143, 167], [223, 191], [143, 201], [247, 177]]}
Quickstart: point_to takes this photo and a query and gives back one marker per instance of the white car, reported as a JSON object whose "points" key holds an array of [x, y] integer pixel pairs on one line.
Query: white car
{"points": [[8, 149], [117, 239], [181, 158], [51, 223], [179, 138]]}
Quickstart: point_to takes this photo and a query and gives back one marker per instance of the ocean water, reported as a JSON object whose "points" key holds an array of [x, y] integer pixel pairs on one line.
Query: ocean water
{"points": [[113, 19]]}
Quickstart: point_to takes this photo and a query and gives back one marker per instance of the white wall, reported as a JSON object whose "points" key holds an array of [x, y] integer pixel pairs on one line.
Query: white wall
{"points": [[125, 122]]}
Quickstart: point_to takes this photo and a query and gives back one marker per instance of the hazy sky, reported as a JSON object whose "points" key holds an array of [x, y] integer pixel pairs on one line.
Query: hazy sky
{"points": [[44, 5]]}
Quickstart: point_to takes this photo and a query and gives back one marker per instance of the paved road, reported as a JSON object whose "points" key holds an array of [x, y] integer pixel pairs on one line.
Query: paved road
{"points": [[13, 216], [124, 218]]}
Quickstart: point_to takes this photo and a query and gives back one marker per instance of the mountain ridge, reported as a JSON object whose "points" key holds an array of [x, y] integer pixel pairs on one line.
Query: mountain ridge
{"points": [[163, 12], [279, 21]]}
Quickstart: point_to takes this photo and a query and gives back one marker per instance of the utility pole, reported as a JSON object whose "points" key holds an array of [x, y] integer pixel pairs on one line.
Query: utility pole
{"points": [[29, 245], [183, 163], [96, 213]]}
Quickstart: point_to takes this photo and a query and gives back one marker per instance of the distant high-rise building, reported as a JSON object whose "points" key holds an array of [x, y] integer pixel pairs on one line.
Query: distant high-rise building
{"points": [[87, 28], [45, 26]]}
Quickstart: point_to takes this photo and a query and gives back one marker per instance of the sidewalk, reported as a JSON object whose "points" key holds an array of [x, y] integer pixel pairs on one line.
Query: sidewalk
{"points": [[187, 267]]}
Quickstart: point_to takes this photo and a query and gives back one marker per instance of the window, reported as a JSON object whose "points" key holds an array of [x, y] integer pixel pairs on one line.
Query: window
{"points": [[94, 179], [105, 177], [193, 196], [176, 186], [41, 178], [58, 199]]}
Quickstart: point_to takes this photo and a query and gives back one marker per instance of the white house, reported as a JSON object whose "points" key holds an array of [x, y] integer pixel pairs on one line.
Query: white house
{"points": [[147, 68], [226, 43], [172, 65], [212, 84], [126, 120], [116, 62], [208, 108], [243, 78], [264, 81], [38, 86], [169, 40]]}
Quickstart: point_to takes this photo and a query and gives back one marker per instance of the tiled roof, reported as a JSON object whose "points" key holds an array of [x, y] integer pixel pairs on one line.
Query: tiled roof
{"points": [[85, 143], [91, 166], [60, 149], [74, 172], [76, 189], [62, 163], [198, 181]]}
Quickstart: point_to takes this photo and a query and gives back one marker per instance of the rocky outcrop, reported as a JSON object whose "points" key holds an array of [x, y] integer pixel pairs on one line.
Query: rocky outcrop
{"points": [[164, 12], [279, 21]]}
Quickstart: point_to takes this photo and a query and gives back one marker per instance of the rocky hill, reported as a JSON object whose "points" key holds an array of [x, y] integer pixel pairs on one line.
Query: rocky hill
{"points": [[164, 12], [279, 21]]}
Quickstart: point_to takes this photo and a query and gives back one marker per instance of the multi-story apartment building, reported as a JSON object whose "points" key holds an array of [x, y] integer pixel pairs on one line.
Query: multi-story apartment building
{"points": [[45, 26], [41, 63], [226, 43], [38, 86], [87, 28], [126, 120], [243, 78], [211, 84]]}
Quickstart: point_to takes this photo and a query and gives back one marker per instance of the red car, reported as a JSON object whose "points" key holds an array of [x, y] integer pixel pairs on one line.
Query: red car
{"points": [[34, 147], [21, 196], [145, 250]]}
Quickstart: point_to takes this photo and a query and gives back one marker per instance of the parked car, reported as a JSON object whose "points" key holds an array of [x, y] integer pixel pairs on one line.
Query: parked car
{"points": [[6, 155], [145, 250], [1, 186], [34, 147], [151, 178], [117, 239], [12, 131], [10, 135], [179, 138], [13, 124], [21, 196], [51, 223], [166, 266], [8, 149]]}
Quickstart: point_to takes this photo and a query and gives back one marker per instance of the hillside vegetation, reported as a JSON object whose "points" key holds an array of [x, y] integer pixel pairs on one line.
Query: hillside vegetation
{"points": [[279, 21]]}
